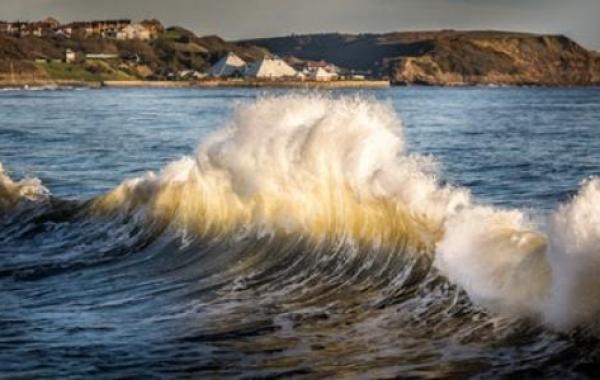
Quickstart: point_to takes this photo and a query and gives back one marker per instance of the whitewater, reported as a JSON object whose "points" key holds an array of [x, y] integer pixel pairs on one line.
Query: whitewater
{"points": [[302, 229]]}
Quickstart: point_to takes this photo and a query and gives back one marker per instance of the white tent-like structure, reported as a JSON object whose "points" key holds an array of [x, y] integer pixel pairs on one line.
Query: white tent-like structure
{"points": [[227, 66], [269, 68]]}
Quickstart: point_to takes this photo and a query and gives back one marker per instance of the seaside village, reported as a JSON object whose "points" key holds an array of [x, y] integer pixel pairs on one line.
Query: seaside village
{"points": [[122, 29], [232, 66], [229, 67]]}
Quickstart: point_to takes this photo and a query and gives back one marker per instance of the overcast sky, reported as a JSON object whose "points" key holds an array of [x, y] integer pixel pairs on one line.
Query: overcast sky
{"points": [[235, 19]]}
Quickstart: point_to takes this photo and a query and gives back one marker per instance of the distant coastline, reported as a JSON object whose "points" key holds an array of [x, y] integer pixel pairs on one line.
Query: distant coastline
{"points": [[158, 84], [147, 54]]}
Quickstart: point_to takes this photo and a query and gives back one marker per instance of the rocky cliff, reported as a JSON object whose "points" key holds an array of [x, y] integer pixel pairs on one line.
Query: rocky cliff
{"points": [[468, 59], [451, 57]]}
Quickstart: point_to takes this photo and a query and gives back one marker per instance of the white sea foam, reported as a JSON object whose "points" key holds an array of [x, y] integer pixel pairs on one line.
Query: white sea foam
{"points": [[504, 263], [574, 255], [498, 257], [12, 192], [304, 164]]}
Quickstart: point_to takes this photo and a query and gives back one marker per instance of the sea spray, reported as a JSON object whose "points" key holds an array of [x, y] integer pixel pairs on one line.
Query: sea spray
{"points": [[498, 257], [505, 264], [310, 165], [11, 192], [574, 255]]}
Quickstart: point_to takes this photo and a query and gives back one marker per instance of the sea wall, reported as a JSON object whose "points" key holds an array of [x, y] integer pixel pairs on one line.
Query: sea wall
{"points": [[252, 83]]}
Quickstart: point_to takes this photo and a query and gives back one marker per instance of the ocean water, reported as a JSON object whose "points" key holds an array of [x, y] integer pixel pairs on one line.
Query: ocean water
{"points": [[408, 232]]}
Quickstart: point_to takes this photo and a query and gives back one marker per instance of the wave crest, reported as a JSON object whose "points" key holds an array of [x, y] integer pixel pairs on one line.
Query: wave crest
{"points": [[304, 164]]}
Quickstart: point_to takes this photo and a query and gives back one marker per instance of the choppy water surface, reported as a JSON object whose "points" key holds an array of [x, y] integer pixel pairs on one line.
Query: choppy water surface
{"points": [[240, 233]]}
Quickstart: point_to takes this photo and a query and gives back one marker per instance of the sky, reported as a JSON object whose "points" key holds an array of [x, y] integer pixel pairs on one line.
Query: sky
{"points": [[239, 19]]}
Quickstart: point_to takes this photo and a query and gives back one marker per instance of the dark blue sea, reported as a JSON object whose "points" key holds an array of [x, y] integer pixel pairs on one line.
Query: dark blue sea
{"points": [[248, 233]]}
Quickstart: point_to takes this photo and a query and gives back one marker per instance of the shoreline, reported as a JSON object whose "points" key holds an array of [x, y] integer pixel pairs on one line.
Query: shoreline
{"points": [[48, 83], [338, 84], [215, 84], [250, 84], [19, 84]]}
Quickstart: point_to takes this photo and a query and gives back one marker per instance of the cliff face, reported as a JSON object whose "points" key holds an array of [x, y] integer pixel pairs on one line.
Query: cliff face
{"points": [[505, 60], [451, 57]]}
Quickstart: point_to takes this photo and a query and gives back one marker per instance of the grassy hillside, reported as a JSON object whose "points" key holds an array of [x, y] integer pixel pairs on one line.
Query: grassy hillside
{"points": [[175, 50]]}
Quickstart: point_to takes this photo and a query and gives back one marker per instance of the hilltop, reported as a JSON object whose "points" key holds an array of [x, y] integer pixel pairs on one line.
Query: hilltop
{"points": [[449, 57]]}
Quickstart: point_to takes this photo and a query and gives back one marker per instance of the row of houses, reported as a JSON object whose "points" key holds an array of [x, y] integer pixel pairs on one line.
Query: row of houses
{"points": [[232, 66], [122, 29]]}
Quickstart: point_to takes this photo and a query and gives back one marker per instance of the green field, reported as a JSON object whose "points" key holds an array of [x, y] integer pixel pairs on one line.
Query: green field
{"points": [[90, 71]]}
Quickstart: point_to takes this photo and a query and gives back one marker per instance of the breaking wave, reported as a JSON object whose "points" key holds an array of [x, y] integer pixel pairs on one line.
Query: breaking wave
{"points": [[301, 165], [321, 176]]}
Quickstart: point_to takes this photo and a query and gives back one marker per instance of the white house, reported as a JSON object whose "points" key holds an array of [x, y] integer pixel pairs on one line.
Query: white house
{"points": [[227, 66], [191, 74], [70, 56], [65, 31], [269, 68], [134, 31], [320, 74]]}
